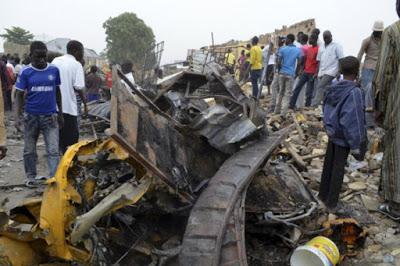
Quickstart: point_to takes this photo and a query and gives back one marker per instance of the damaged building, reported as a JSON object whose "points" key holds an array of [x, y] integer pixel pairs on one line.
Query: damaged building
{"points": [[236, 46]]}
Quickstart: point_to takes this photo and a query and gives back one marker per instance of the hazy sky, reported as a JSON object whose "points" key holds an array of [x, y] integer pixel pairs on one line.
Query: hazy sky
{"points": [[185, 24]]}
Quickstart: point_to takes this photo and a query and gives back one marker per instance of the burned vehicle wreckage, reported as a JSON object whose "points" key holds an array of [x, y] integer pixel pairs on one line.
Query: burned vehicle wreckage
{"points": [[185, 179]]}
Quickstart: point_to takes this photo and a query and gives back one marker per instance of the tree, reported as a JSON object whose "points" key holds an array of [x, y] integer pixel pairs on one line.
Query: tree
{"points": [[17, 35], [128, 37]]}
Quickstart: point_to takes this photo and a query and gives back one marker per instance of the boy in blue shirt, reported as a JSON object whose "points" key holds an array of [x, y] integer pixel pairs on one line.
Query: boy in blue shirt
{"points": [[39, 82], [344, 122], [288, 62]]}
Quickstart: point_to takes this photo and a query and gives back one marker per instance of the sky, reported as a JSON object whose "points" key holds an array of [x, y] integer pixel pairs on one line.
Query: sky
{"points": [[186, 24]]}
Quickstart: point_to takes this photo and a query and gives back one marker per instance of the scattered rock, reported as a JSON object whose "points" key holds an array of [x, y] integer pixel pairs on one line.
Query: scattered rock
{"points": [[358, 186], [395, 252], [391, 231], [371, 204], [318, 151], [388, 258], [332, 217], [316, 163], [374, 248]]}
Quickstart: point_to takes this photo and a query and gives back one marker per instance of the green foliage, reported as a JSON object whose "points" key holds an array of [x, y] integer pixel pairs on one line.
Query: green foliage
{"points": [[17, 35], [128, 37]]}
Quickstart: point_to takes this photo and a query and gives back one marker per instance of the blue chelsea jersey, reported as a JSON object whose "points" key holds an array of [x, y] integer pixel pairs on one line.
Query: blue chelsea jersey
{"points": [[40, 86]]}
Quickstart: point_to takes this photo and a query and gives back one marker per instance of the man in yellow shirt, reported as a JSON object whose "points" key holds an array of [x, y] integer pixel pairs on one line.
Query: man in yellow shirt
{"points": [[255, 65], [230, 62]]}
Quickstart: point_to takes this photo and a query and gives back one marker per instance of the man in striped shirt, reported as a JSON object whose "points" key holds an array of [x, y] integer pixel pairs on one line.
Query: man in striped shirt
{"points": [[386, 88]]}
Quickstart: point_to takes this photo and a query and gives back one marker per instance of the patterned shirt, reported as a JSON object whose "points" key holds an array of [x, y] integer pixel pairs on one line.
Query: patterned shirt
{"points": [[386, 85]]}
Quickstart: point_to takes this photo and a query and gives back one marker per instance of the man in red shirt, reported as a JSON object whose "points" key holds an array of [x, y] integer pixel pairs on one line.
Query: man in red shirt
{"points": [[309, 73]]}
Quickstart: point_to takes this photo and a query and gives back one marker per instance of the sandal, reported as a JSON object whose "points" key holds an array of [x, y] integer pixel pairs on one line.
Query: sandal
{"points": [[385, 210]]}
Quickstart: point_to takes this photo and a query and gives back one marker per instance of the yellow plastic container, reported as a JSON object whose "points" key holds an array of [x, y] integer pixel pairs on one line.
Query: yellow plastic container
{"points": [[320, 251]]}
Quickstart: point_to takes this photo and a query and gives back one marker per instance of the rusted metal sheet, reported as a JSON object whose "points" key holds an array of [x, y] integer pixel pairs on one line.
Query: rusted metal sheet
{"points": [[209, 217], [161, 145]]}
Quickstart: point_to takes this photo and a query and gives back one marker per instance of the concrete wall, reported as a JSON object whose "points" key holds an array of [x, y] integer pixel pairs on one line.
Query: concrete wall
{"points": [[13, 48], [305, 26]]}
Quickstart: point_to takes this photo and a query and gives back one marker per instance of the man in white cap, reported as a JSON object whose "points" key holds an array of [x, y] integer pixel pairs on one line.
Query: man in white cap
{"points": [[371, 48]]}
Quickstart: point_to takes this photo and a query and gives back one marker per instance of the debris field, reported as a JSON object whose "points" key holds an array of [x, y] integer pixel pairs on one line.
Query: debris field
{"points": [[191, 171]]}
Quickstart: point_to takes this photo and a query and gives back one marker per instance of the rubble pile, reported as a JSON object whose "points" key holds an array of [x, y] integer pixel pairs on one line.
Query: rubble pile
{"points": [[304, 149], [191, 172]]}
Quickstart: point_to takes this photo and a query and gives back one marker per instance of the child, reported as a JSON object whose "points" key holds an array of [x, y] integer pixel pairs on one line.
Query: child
{"points": [[345, 125], [40, 83]]}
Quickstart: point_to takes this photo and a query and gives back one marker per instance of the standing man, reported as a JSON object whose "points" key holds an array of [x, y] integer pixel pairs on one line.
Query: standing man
{"points": [[3, 84], [255, 65], [247, 63], [230, 62], [275, 80], [288, 61], [386, 87], [242, 65], [40, 83], [309, 73], [127, 70], [11, 81], [268, 65], [371, 48], [93, 84], [317, 32], [297, 43], [72, 79], [328, 57]]}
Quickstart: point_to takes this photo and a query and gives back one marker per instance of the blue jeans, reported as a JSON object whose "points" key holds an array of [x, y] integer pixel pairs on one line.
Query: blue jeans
{"points": [[48, 126], [320, 93], [304, 78], [255, 75], [367, 75]]}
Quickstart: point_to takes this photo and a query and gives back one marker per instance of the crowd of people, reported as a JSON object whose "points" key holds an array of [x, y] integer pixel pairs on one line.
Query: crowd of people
{"points": [[350, 99], [46, 94]]}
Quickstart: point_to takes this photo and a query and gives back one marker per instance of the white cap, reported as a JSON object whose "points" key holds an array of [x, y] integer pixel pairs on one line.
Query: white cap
{"points": [[378, 26]]}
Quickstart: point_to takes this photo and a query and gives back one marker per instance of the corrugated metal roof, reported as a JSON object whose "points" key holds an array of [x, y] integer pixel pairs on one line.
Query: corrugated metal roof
{"points": [[59, 45]]}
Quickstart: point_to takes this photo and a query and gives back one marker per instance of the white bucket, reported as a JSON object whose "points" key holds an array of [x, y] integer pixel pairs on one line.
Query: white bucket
{"points": [[309, 256]]}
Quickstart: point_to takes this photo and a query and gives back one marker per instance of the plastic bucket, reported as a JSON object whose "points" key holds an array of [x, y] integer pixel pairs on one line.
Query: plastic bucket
{"points": [[320, 251]]}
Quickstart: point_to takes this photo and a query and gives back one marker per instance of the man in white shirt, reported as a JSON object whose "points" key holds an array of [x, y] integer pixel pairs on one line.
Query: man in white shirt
{"points": [[328, 57], [126, 68], [268, 65], [72, 80], [18, 67]]}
